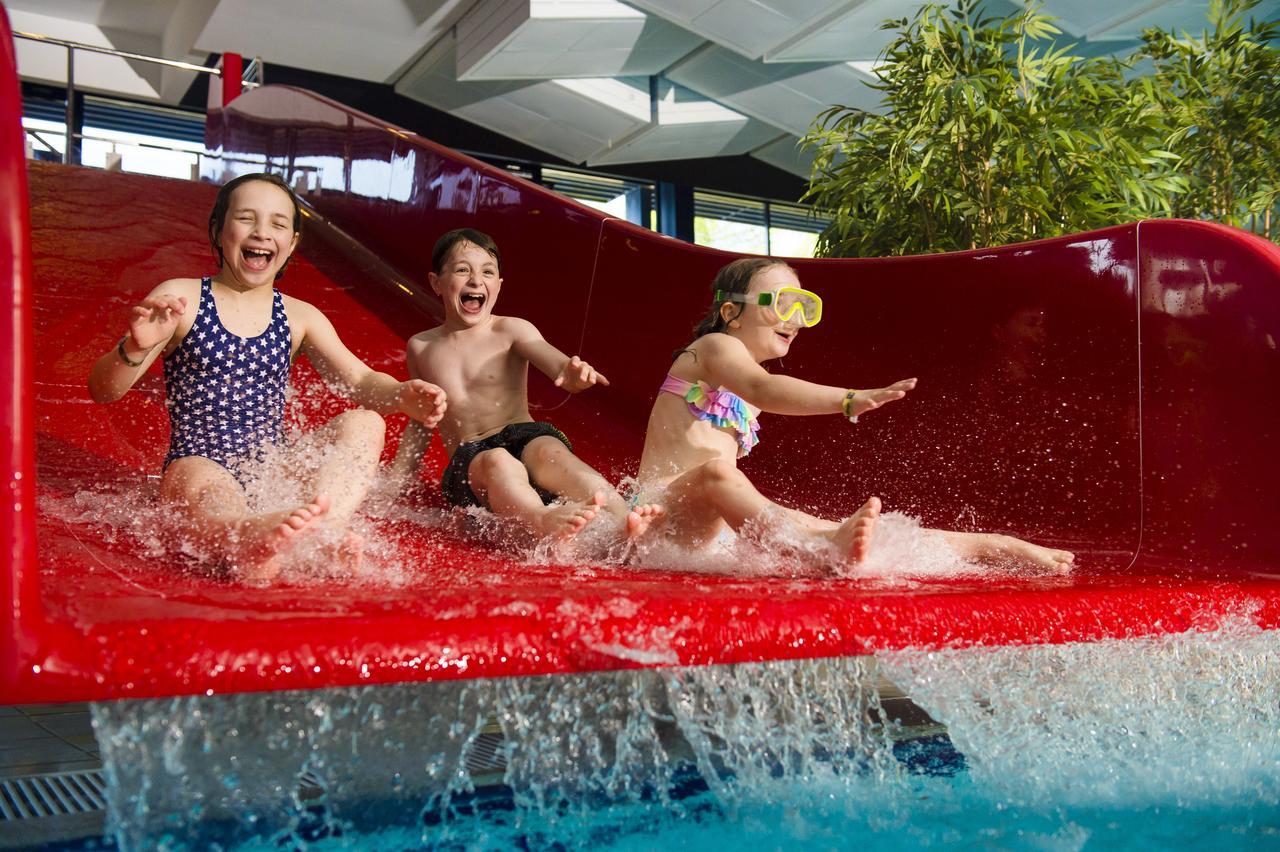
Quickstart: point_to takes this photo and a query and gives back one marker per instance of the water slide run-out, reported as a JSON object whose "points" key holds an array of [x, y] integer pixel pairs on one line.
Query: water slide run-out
{"points": [[1112, 392]]}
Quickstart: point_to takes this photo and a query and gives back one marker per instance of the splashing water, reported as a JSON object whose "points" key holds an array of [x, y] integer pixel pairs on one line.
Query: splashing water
{"points": [[902, 552], [1160, 741]]}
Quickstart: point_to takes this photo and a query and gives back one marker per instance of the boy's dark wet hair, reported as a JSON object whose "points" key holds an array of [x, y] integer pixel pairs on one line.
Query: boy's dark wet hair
{"points": [[446, 244], [733, 277], [218, 216]]}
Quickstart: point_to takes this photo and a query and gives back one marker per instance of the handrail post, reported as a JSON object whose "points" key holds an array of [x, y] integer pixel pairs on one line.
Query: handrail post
{"points": [[232, 72], [71, 105]]}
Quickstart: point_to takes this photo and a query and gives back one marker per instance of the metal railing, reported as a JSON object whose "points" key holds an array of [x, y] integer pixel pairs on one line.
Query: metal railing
{"points": [[254, 68]]}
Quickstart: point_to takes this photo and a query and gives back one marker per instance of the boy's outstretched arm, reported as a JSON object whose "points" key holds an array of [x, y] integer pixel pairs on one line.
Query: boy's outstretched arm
{"points": [[572, 374], [371, 388], [152, 324]]}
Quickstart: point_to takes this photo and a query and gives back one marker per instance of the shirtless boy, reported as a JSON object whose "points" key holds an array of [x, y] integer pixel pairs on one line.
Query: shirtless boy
{"points": [[499, 458]]}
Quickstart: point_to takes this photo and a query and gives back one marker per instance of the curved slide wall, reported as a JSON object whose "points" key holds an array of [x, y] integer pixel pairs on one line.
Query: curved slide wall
{"points": [[1112, 392]]}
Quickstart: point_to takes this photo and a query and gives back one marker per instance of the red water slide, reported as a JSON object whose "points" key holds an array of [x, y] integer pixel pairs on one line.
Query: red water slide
{"points": [[1112, 392]]}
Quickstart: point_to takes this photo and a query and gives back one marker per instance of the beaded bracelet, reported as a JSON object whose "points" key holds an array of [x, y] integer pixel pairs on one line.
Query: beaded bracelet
{"points": [[848, 402], [124, 357]]}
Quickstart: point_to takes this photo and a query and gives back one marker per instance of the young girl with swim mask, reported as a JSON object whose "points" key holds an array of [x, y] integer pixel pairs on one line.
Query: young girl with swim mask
{"points": [[228, 342], [705, 418]]}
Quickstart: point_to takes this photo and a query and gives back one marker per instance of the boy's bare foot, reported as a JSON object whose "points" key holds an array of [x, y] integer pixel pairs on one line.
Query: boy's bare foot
{"points": [[641, 518], [563, 523], [853, 537], [262, 540]]}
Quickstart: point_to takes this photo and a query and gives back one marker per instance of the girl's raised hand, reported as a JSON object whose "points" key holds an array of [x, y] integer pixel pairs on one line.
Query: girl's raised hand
{"points": [[423, 402], [155, 319], [864, 401], [578, 375]]}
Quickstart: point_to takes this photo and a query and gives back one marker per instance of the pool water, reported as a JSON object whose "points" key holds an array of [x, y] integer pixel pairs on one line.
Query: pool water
{"points": [[1166, 742]]}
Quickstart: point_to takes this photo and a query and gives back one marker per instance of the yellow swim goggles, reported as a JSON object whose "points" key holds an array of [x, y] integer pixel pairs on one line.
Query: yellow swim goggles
{"points": [[785, 302]]}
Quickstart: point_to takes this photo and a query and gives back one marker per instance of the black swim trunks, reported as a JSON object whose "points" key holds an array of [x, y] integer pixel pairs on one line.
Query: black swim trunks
{"points": [[456, 483]]}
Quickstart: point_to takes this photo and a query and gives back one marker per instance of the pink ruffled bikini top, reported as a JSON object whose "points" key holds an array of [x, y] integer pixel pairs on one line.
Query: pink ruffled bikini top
{"points": [[718, 407]]}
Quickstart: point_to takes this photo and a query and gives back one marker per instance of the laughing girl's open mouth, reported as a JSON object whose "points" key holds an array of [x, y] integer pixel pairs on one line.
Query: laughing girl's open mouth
{"points": [[257, 259]]}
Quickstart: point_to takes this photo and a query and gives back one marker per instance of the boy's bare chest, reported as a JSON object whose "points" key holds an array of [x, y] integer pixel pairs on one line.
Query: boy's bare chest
{"points": [[474, 368]]}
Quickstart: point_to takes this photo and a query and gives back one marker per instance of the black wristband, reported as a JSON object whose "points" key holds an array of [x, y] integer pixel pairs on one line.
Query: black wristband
{"points": [[124, 357]]}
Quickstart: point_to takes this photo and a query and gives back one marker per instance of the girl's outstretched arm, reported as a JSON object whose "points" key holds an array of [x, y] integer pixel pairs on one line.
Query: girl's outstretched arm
{"points": [[727, 363], [370, 388], [153, 324]]}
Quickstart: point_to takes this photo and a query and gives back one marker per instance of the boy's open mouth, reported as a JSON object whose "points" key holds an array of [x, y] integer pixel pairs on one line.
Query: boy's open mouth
{"points": [[786, 335], [472, 303], [257, 259]]}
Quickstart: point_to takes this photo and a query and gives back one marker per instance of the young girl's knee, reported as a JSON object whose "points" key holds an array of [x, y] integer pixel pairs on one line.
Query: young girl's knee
{"points": [[362, 423], [718, 471], [200, 485]]}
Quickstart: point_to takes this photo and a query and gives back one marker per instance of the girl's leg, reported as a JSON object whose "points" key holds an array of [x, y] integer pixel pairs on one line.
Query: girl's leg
{"points": [[994, 547], [718, 489], [349, 447], [554, 467], [501, 481], [220, 520]]}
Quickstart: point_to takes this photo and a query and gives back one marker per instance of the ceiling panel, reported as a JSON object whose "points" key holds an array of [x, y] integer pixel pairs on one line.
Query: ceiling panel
{"points": [[785, 153], [563, 120], [688, 127], [851, 34], [1125, 21], [519, 39], [367, 41], [787, 96]]}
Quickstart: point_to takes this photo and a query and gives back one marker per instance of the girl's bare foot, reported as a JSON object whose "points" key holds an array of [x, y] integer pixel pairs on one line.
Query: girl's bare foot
{"points": [[641, 518], [259, 542], [1025, 553], [853, 538], [351, 552], [563, 523]]}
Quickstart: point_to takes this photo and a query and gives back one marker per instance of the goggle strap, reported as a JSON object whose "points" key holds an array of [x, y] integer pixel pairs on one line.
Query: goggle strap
{"points": [[764, 300]]}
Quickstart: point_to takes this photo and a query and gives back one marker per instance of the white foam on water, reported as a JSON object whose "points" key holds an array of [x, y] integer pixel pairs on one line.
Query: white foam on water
{"points": [[1142, 742]]}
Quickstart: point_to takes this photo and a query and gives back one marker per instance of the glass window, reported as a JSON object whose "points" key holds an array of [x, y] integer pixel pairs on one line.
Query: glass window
{"points": [[730, 223], [619, 197], [793, 229]]}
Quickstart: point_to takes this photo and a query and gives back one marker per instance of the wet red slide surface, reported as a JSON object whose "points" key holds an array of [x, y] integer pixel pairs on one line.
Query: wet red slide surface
{"points": [[1112, 392]]}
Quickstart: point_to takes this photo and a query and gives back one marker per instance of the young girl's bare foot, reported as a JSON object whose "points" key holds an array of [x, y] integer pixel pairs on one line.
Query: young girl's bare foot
{"points": [[563, 523], [641, 518], [853, 537], [261, 541], [1008, 548], [351, 552]]}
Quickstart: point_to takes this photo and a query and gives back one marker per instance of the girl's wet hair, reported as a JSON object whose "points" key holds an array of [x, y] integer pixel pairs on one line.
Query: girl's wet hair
{"points": [[446, 244], [733, 277], [218, 216]]}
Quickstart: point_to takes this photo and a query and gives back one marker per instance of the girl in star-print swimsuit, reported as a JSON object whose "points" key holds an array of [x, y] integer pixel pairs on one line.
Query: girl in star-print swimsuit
{"points": [[226, 393], [228, 341]]}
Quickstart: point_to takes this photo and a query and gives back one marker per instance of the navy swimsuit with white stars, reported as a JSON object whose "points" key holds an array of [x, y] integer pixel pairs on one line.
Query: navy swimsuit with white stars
{"points": [[225, 392]]}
